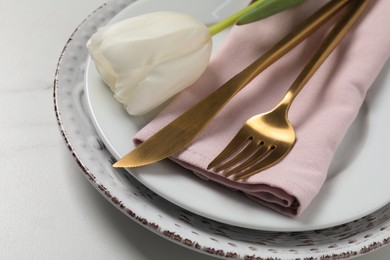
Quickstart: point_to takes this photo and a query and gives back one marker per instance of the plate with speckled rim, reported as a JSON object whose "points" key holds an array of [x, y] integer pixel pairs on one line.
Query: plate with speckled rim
{"points": [[172, 182], [172, 222]]}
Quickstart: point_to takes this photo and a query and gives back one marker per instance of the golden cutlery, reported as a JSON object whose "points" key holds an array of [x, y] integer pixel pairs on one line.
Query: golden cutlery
{"points": [[267, 138], [183, 130]]}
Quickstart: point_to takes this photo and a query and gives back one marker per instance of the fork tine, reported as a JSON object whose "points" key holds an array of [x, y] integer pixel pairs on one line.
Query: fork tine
{"points": [[272, 158], [248, 150], [234, 145], [260, 154]]}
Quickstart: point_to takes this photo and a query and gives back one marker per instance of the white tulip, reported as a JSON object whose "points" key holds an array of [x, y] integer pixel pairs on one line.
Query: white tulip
{"points": [[147, 59]]}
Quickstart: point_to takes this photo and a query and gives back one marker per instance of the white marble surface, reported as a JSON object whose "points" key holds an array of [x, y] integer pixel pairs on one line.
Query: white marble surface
{"points": [[48, 210]]}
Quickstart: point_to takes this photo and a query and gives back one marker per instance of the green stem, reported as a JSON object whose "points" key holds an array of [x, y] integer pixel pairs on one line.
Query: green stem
{"points": [[227, 22]]}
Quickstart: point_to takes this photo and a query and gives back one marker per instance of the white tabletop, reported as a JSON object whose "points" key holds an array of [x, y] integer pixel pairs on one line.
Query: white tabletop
{"points": [[48, 210]]}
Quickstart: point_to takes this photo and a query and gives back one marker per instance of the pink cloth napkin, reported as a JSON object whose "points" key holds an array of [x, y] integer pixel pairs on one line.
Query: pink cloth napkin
{"points": [[321, 114]]}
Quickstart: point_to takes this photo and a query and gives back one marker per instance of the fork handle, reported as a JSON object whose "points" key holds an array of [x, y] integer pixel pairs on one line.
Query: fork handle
{"points": [[334, 37]]}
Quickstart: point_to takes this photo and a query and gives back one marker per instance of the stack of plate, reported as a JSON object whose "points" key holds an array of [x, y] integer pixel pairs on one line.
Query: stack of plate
{"points": [[350, 216]]}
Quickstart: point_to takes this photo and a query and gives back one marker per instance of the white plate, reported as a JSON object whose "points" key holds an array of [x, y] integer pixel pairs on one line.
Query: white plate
{"points": [[166, 219], [356, 186]]}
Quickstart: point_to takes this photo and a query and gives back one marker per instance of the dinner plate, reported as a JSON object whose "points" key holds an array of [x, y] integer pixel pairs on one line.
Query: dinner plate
{"points": [[356, 186], [168, 220]]}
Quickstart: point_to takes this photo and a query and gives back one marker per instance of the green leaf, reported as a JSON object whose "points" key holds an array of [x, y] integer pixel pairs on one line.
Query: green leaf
{"points": [[265, 9]]}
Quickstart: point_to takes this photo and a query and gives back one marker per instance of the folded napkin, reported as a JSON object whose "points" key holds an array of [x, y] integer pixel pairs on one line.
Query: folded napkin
{"points": [[321, 114]]}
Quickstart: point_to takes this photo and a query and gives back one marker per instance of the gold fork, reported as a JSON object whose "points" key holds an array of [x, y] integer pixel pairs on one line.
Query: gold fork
{"points": [[183, 130], [267, 138]]}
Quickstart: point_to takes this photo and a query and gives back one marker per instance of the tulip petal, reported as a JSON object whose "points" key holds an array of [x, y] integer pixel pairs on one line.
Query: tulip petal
{"points": [[166, 80]]}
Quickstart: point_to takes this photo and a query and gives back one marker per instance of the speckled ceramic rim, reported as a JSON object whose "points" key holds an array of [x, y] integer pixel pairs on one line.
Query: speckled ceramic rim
{"points": [[171, 222]]}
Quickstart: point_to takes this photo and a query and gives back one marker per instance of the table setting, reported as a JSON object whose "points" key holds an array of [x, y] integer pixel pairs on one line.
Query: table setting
{"points": [[72, 191]]}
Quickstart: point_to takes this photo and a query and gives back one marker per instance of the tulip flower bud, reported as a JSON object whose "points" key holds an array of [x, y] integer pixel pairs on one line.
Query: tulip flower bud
{"points": [[147, 59]]}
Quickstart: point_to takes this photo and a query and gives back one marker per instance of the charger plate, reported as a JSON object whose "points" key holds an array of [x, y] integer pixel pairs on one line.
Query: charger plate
{"points": [[175, 223]]}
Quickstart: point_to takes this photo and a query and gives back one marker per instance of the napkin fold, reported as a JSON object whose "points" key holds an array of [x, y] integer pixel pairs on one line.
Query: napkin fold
{"points": [[321, 114]]}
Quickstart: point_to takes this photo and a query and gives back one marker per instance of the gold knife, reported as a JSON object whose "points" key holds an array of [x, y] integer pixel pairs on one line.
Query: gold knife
{"points": [[183, 130]]}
